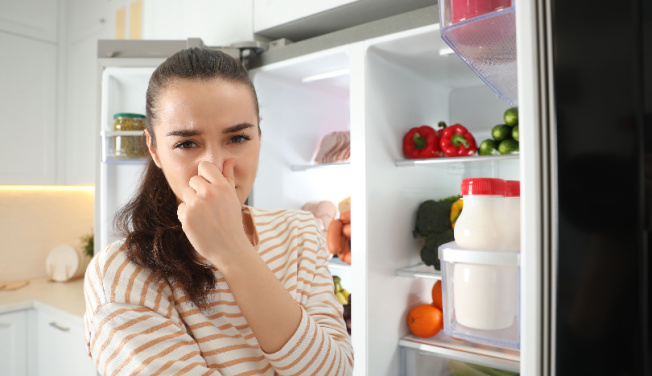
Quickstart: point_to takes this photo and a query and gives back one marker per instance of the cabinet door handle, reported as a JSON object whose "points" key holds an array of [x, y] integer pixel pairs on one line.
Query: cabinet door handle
{"points": [[62, 328]]}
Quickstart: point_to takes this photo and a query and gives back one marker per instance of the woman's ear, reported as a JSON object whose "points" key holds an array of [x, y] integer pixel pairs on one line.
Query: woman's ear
{"points": [[152, 148]]}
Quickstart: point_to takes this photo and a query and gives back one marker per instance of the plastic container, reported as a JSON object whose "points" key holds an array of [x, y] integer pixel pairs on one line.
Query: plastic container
{"points": [[129, 147], [484, 222], [480, 294], [513, 204]]}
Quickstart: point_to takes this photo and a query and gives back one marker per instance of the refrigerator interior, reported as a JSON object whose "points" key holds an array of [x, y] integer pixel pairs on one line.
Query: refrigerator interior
{"points": [[123, 90], [395, 82]]}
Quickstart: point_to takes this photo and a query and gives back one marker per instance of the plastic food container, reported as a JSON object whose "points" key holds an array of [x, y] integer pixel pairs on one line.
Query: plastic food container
{"points": [[480, 293], [129, 146]]}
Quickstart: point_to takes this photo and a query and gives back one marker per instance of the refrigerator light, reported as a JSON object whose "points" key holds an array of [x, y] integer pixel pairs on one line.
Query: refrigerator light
{"points": [[322, 76], [445, 51]]}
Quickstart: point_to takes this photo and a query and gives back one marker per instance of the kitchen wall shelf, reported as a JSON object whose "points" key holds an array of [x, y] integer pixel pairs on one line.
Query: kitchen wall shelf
{"points": [[419, 270], [314, 166], [448, 160], [464, 351]]}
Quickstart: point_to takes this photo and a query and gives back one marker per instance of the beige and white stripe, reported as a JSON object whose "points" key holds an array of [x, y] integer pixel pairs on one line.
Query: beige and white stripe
{"points": [[136, 324]]}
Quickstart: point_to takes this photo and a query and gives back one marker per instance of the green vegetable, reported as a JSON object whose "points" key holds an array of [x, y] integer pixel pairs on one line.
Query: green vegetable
{"points": [[501, 132], [488, 147], [433, 217], [515, 133], [434, 223], [508, 147], [511, 116], [430, 250]]}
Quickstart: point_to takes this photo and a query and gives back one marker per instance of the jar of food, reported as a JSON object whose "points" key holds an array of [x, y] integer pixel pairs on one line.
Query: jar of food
{"points": [[513, 202], [129, 146], [484, 222]]}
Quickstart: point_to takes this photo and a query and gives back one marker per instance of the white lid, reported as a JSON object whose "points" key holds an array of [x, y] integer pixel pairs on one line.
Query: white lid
{"points": [[450, 252]]}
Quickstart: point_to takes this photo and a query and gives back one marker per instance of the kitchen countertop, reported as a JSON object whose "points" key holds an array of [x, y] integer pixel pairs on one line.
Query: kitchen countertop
{"points": [[67, 297]]}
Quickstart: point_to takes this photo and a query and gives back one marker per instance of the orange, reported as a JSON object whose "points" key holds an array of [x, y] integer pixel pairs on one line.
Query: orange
{"points": [[436, 295], [425, 320]]}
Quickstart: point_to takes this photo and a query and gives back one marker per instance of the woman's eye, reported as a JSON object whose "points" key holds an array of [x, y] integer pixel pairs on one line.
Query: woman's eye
{"points": [[238, 139], [184, 145]]}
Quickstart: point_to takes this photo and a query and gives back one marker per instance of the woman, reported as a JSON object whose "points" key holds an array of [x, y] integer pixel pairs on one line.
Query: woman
{"points": [[202, 284]]}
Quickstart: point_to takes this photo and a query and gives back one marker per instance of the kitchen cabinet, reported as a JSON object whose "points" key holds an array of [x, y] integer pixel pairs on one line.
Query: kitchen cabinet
{"points": [[81, 91], [378, 89], [34, 19], [29, 110], [61, 349], [13, 343]]}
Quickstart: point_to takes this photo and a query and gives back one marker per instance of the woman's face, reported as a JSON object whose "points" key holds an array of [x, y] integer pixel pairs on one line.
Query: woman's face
{"points": [[210, 121]]}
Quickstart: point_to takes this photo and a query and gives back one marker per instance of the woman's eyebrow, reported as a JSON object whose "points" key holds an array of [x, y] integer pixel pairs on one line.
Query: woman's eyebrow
{"points": [[183, 133], [237, 128]]}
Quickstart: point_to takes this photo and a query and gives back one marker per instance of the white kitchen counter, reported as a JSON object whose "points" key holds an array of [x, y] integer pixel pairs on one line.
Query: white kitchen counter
{"points": [[66, 297]]}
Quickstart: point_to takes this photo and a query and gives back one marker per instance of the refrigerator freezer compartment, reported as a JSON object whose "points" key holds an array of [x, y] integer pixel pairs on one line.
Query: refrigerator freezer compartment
{"points": [[481, 295], [483, 34]]}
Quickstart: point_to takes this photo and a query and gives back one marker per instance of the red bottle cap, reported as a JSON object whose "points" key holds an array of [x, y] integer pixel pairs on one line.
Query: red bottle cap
{"points": [[512, 188], [483, 186]]}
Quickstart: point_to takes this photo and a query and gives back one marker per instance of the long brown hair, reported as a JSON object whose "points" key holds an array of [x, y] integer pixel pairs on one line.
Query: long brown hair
{"points": [[149, 223]]}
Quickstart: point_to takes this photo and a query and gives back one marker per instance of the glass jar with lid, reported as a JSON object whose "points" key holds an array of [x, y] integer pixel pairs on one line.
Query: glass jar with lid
{"points": [[129, 146]]}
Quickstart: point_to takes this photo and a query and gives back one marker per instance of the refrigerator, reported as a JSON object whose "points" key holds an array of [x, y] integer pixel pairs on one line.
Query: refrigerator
{"points": [[584, 92]]}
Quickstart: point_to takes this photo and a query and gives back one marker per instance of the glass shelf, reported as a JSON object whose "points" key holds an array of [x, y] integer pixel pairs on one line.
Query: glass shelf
{"points": [[464, 351], [336, 263], [313, 166], [419, 270], [449, 160]]}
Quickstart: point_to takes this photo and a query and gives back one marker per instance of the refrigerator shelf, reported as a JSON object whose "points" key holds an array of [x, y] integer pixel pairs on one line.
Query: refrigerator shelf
{"points": [[419, 270], [313, 166], [336, 263], [464, 351], [447, 160]]}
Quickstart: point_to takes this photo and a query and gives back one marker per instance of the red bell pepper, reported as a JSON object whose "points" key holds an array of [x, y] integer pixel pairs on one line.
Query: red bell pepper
{"points": [[457, 141], [421, 142]]}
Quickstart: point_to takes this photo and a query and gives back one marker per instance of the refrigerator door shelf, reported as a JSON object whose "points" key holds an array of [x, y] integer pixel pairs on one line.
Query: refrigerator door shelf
{"points": [[483, 34], [123, 147]]}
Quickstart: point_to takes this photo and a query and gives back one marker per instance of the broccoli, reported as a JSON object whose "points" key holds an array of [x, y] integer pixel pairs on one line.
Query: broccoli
{"points": [[433, 217], [429, 251]]}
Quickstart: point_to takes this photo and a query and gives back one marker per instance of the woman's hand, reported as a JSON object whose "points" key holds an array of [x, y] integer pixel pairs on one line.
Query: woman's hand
{"points": [[211, 213]]}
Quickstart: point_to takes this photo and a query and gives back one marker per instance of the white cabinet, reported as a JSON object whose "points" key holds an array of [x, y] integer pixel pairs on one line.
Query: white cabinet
{"points": [[79, 139], [28, 104], [272, 13], [13, 343], [60, 346], [35, 19], [217, 23]]}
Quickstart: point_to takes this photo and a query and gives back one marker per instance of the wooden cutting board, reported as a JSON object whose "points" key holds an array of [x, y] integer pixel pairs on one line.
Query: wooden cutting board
{"points": [[6, 286]]}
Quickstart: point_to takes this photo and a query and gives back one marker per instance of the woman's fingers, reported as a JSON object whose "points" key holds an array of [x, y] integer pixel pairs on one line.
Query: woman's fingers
{"points": [[209, 171], [200, 185], [227, 171]]}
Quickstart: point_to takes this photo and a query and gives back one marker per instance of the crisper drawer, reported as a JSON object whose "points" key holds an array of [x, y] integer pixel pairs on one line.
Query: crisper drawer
{"points": [[415, 362]]}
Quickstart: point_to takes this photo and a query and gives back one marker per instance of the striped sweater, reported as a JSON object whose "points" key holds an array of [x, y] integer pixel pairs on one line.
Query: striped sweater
{"points": [[137, 324]]}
